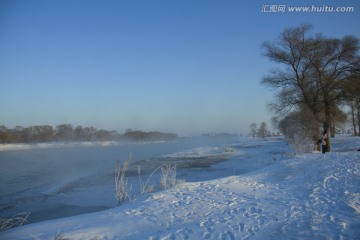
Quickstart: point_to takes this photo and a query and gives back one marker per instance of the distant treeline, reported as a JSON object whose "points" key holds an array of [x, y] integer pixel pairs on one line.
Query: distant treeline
{"points": [[67, 133]]}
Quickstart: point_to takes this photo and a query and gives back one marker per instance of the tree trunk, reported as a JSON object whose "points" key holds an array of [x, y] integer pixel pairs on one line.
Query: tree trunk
{"points": [[328, 125], [358, 116], [328, 142], [352, 107], [332, 130]]}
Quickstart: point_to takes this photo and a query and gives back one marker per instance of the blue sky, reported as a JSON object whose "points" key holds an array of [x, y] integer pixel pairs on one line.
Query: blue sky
{"points": [[183, 66]]}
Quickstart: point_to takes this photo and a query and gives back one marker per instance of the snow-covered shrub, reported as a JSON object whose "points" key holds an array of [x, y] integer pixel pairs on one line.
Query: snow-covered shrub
{"points": [[15, 221], [145, 187], [121, 182], [302, 144], [168, 176]]}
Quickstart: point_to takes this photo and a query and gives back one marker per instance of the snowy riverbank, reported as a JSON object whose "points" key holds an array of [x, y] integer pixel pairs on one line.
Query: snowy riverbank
{"points": [[308, 196]]}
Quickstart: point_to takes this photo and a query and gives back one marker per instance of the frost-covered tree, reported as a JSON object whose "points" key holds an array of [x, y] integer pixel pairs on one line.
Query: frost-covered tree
{"points": [[263, 130], [4, 134], [352, 90], [312, 69], [253, 129], [260, 132]]}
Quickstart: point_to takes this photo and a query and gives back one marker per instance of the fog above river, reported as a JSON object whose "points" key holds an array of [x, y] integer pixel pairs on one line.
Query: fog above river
{"points": [[43, 164]]}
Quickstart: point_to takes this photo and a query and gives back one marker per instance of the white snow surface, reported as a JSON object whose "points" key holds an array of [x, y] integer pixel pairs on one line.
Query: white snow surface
{"points": [[298, 196]]}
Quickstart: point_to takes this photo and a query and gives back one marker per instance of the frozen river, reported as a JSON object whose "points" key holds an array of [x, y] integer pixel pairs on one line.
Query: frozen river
{"points": [[57, 180], [39, 165]]}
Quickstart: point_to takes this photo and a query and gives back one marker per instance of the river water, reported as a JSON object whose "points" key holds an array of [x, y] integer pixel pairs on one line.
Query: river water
{"points": [[23, 169], [66, 179]]}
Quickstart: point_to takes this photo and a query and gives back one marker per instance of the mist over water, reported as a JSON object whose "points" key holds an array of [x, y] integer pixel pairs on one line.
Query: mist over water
{"points": [[59, 180], [20, 170]]}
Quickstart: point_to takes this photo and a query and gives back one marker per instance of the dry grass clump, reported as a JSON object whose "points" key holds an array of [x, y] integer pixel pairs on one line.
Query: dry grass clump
{"points": [[15, 221], [168, 176], [122, 188]]}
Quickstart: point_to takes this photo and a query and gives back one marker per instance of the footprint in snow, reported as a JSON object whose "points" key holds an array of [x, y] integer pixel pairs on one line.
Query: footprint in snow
{"points": [[227, 235], [207, 235], [238, 227], [183, 233]]}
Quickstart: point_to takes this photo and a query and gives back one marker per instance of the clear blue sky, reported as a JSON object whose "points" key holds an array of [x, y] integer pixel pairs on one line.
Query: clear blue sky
{"points": [[183, 66]]}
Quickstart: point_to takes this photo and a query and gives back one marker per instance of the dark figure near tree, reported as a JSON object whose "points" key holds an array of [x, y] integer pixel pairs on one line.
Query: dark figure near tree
{"points": [[324, 144]]}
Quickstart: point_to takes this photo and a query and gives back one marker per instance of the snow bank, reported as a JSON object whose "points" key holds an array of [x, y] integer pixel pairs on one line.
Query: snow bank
{"points": [[203, 152], [310, 196]]}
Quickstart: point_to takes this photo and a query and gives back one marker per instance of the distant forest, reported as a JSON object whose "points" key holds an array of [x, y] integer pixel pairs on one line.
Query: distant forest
{"points": [[67, 133]]}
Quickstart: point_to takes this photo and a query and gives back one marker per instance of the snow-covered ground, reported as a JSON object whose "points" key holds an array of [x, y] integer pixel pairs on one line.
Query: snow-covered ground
{"points": [[273, 194]]}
